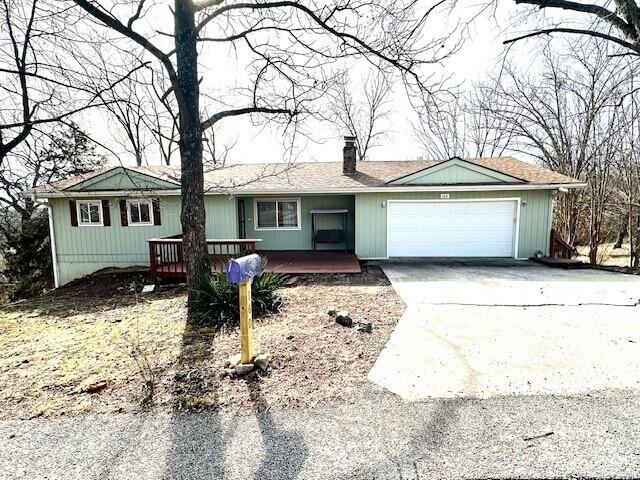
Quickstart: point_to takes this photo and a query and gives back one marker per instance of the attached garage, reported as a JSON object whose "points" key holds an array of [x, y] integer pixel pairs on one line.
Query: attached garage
{"points": [[453, 228]]}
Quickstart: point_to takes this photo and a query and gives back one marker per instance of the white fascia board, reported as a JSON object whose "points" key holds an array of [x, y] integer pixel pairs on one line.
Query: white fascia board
{"points": [[323, 191], [394, 189], [109, 193]]}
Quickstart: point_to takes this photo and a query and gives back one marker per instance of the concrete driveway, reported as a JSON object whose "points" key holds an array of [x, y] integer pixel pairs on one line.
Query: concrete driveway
{"points": [[510, 328]]}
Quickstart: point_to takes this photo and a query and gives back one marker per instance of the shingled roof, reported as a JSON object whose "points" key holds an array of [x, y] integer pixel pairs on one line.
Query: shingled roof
{"points": [[301, 177]]}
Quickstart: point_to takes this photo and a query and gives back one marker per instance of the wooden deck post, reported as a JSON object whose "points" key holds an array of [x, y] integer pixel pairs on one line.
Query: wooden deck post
{"points": [[152, 262]]}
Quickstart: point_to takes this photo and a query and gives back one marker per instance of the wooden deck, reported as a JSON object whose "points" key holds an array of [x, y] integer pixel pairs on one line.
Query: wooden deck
{"points": [[311, 261], [289, 262]]}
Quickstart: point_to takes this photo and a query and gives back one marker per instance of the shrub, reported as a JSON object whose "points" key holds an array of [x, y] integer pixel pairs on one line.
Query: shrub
{"points": [[27, 256], [218, 300]]}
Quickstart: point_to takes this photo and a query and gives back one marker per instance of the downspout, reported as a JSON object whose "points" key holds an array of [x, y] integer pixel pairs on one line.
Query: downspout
{"points": [[54, 255]]}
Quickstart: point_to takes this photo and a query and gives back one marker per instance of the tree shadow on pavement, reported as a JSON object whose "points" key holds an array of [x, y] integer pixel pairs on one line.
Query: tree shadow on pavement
{"points": [[285, 451], [195, 446]]}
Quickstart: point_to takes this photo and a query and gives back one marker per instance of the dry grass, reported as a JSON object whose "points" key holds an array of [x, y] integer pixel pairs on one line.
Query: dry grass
{"points": [[56, 346], [607, 255]]}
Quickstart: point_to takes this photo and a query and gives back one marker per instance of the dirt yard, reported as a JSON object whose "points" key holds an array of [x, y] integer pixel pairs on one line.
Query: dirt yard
{"points": [[99, 346]]}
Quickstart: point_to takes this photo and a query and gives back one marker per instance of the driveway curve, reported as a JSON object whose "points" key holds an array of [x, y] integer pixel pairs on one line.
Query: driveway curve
{"points": [[510, 328]]}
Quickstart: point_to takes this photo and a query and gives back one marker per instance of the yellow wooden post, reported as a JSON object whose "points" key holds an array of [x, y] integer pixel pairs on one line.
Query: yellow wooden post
{"points": [[246, 323]]}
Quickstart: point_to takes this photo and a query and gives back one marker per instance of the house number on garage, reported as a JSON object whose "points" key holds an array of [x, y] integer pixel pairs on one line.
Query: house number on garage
{"points": [[444, 195]]}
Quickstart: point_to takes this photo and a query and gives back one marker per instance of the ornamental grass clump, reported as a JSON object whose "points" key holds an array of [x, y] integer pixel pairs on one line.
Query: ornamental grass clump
{"points": [[218, 299]]}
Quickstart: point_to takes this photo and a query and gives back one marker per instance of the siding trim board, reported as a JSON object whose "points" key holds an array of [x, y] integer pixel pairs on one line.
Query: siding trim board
{"points": [[54, 255]]}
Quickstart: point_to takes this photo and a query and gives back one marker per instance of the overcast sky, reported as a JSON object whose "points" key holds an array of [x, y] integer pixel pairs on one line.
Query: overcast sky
{"points": [[478, 55]]}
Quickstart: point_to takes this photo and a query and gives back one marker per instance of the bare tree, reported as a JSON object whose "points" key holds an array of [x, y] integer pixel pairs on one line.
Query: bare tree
{"points": [[42, 73], [146, 122], [488, 135], [562, 116], [442, 129], [129, 109], [291, 46], [361, 114], [44, 85], [163, 123], [463, 127], [627, 169], [600, 176]]}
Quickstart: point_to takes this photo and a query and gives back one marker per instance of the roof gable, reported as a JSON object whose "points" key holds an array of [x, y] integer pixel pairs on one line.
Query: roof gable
{"points": [[121, 178], [455, 171]]}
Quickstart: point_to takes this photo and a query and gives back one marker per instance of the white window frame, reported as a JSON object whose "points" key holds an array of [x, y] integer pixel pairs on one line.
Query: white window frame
{"points": [[139, 201], [256, 226], [89, 203]]}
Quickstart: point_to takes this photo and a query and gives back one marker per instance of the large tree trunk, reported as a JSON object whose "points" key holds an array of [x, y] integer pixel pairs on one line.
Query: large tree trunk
{"points": [[190, 144]]}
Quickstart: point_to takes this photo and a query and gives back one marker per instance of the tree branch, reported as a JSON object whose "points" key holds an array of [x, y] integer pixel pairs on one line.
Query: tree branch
{"points": [[356, 42], [548, 31], [212, 120], [136, 15], [601, 12], [116, 25]]}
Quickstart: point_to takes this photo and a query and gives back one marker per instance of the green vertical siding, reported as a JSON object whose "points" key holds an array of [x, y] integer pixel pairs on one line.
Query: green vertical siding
{"points": [[222, 218], [454, 172], [83, 250], [371, 218], [301, 239]]}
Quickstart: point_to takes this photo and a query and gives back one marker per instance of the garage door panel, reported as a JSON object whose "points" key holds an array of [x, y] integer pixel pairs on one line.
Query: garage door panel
{"points": [[451, 229]]}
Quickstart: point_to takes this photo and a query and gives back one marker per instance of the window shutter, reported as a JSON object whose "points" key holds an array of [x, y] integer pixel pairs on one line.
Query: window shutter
{"points": [[123, 213], [74, 213], [106, 215], [156, 211]]}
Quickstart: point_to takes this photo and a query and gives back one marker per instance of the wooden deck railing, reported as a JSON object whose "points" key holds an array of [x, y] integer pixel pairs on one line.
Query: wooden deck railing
{"points": [[166, 255], [558, 248]]}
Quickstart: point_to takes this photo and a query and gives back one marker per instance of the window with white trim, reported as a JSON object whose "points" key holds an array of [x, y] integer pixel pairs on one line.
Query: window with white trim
{"points": [[281, 214], [140, 212], [89, 213]]}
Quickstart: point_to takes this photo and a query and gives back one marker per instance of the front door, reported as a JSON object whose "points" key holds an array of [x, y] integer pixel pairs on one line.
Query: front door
{"points": [[241, 220]]}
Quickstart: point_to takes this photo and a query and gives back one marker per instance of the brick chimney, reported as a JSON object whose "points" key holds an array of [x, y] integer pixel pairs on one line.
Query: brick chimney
{"points": [[349, 155]]}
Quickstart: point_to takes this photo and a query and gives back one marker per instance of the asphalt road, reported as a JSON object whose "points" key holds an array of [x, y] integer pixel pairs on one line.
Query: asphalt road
{"points": [[378, 436], [576, 416]]}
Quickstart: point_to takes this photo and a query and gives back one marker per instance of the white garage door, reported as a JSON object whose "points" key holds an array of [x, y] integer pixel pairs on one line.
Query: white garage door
{"points": [[451, 229]]}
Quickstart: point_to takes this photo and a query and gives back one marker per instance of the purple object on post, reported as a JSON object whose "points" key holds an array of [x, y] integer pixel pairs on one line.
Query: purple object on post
{"points": [[244, 268]]}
